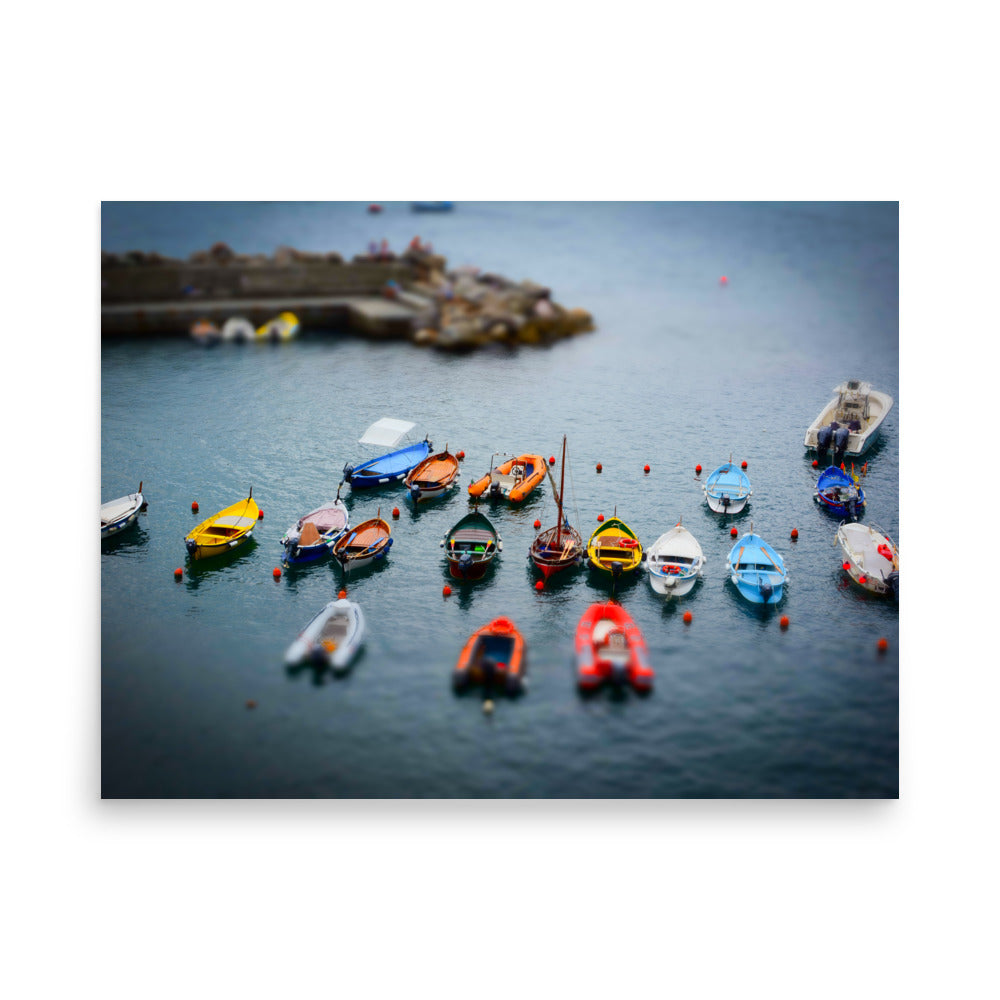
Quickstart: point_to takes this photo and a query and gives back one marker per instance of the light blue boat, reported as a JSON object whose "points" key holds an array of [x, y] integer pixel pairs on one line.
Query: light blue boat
{"points": [[757, 570], [392, 466], [728, 489]]}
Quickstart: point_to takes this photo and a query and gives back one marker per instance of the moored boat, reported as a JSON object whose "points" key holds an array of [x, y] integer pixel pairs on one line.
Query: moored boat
{"points": [[391, 466], [224, 530], [727, 489], [493, 655], [840, 492], [674, 562], [119, 514], [614, 548], [514, 479], [757, 570], [238, 330], [315, 533], [610, 647], [369, 542], [850, 422], [284, 326], [333, 637], [432, 476], [205, 333], [871, 558], [471, 546], [561, 546], [431, 206]]}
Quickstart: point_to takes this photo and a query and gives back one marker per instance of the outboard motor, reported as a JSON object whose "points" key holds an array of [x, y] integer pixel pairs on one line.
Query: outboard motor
{"points": [[725, 501], [494, 489], [619, 673], [616, 570], [893, 581], [823, 438], [415, 491], [464, 562], [348, 472], [190, 544], [852, 508], [840, 444], [766, 589]]}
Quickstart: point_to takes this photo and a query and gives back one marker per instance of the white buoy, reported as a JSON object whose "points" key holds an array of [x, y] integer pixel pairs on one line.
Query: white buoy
{"points": [[487, 707]]}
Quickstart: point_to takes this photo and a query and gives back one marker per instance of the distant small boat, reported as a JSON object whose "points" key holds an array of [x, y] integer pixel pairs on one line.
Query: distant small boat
{"points": [[674, 562], [369, 542], [432, 476], [205, 333], [333, 637], [471, 546], [757, 570], [610, 647], [871, 558], [238, 330], [223, 531], [561, 546], [727, 489], [392, 466], [117, 515], [850, 422], [283, 327], [374, 209], [514, 479], [492, 655], [315, 533], [840, 492], [614, 548], [432, 206]]}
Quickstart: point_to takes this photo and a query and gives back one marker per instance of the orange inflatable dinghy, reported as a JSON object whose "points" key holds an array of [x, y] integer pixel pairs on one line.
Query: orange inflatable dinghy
{"points": [[492, 656], [514, 479], [610, 647]]}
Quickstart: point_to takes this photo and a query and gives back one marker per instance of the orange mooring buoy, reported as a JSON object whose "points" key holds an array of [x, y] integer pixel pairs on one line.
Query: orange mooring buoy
{"points": [[276, 573], [697, 470], [552, 459], [723, 281], [342, 594], [446, 591], [538, 524], [645, 468], [251, 703], [815, 463], [733, 532], [784, 621], [395, 512], [795, 533], [847, 566], [883, 644], [743, 464], [688, 617], [600, 517], [194, 506], [178, 573], [260, 514], [599, 466], [539, 585]]}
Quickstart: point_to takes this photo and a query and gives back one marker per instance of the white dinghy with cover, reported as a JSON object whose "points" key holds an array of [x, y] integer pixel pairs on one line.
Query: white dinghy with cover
{"points": [[871, 558], [333, 637], [674, 562]]}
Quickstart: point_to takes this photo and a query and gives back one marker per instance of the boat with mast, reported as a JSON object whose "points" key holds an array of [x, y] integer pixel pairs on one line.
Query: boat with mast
{"points": [[560, 547]]}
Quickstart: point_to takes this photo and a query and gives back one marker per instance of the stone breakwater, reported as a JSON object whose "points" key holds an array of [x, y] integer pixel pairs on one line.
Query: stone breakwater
{"points": [[412, 296]]}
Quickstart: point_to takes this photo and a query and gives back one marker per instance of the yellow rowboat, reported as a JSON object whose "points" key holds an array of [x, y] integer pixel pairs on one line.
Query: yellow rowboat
{"points": [[283, 327], [614, 548], [224, 531]]}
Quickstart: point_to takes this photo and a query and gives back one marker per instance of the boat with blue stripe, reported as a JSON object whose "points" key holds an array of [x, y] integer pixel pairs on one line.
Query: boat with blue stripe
{"points": [[840, 492], [757, 570], [728, 489], [393, 466]]}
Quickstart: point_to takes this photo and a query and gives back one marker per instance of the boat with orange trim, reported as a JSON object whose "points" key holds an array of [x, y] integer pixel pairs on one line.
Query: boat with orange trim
{"points": [[369, 542], [614, 548], [432, 476], [513, 479], [492, 656], [610, 647]]}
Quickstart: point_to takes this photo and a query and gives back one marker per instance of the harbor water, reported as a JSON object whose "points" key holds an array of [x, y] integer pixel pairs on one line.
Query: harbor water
{"points": [[681, 370]]}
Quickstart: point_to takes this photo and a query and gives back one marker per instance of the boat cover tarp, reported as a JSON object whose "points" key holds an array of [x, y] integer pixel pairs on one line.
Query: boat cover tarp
{"points": [[386, 432]]}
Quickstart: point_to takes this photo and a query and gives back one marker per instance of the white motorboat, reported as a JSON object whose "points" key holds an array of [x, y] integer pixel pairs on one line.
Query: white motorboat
{"points": [[871, 558], [674, 562], [850, 422], [333, 637], [238, 330], [117, 515]]}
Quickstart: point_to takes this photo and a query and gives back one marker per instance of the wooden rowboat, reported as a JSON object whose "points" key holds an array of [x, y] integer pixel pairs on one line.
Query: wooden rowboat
{"points": [[369, 542], [223, 531], [614, 548], [432, 476], [471, 546], [560, 547]]}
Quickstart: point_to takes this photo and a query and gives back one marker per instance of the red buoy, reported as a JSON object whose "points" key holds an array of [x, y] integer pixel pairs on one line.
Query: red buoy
{"points": [[795, 533], [539, 585], [733, 532], [552, 460], [538, 524], [342, 594], [251, 703], [815, 463], [260, 514], [645, 468], [276, 573], [862, 579], [697, 470], [446, 592], [744, 464], [883, 644], [395, 512], [600, 517], [723, 281], [194, 506], [599, 466], [178, 573], [847, 565], [460, 456], [688, 617], [784, 621]]}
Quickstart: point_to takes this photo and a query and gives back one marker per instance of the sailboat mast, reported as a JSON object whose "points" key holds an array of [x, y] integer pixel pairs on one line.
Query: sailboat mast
{"points": [[562, 479]]}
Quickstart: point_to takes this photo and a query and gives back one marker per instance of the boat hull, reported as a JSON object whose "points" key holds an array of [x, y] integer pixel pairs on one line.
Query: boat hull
{"points": [[728, 489], [614, 548], [554, 551], [224, 531], [610, 648], [861, 439], [432, 477], [757, 570], [871, 558], [471, 546], [389, 468], [751, 589], [505, 481], [672, 586], [364, 545], [117, 515], [493, 656], [333, 637]]}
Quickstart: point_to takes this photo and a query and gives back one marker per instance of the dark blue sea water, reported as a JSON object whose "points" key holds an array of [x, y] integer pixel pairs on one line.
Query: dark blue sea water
{"points": [[680, 371]]}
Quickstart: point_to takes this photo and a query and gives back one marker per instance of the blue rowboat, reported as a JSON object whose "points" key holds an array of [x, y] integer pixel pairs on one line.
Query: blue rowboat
{"points": [[315, 533], [728, 489], [840, 492], [757, 570], [392, 466]]}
